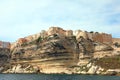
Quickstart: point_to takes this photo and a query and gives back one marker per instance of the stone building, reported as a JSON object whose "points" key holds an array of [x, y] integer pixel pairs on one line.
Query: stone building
{"points": [[94, 36], [82, 34], [59, 31], [69, 33], [4, 44], [103, 38]]}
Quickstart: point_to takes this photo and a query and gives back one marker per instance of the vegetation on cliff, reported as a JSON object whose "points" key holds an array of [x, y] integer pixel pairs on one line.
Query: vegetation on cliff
{"points": [[112, 62]]}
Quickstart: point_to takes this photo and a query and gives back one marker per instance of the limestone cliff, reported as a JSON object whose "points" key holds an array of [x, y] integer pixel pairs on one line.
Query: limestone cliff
{"points": [[57, 51], [4, 58], [4, 52], [50, 48]]}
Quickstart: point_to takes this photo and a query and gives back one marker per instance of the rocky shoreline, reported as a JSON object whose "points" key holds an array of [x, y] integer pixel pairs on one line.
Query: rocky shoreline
{"points": [[89, 69]]}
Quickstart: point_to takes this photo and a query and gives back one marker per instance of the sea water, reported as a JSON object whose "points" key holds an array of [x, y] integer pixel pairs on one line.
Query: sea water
{"points": [[55, 77]]}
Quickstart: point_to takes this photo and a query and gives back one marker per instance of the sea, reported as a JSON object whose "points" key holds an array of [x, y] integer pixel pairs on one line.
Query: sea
{"points": [[55, 77]]}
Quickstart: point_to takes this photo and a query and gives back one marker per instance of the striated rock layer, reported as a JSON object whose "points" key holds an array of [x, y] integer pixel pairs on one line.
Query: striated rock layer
{"points": [[51, 52], [57, 51]]}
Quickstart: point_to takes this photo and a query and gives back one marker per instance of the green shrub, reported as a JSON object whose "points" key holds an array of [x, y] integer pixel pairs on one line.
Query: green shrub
{"points": [[91, 32], [39, 39], [116, 44], [24, 44], [109, 62]]}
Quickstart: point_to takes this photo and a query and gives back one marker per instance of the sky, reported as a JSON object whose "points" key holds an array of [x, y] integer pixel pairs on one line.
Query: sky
{"points": [[20, 18]]}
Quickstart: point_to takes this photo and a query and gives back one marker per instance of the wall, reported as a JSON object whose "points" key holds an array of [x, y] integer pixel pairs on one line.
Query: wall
{"points": [[59, 31], [4, 44], [94, 36]]}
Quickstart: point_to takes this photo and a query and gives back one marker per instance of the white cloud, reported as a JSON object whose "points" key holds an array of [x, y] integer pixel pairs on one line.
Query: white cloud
{"points": [[20, 18]]}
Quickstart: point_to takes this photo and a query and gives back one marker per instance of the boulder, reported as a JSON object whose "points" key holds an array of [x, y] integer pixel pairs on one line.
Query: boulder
{"points": [[100, 70], [93, 70], [89, 65], [21, 68], [18, 69], [111, 72]]}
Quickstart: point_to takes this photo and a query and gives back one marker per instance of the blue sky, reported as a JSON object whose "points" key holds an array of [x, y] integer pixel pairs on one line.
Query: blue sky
{"points": [[19, 18]]}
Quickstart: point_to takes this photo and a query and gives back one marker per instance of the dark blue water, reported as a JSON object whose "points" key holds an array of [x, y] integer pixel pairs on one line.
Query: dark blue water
{"points": [[55, 77]]}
